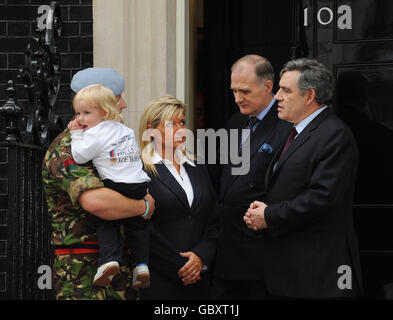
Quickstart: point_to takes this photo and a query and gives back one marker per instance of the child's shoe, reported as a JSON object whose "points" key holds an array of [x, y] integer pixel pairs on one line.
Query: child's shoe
{"points": [[105, 274], [141, 276]]}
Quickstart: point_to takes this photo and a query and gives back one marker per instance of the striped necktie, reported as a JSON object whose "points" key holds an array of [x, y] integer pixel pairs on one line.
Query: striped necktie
{"points": [[251, 122]]}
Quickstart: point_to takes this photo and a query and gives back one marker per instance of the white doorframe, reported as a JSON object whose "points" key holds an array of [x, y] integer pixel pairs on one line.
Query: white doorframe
{"points": [[184, 59]]}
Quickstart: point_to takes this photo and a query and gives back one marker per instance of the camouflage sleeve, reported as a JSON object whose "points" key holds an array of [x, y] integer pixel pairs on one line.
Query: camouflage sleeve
{"points": [[72, 178], [84, 178]]}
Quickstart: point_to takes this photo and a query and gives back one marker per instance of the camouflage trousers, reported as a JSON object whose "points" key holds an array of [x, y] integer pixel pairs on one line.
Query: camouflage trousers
{"points": [[73, 279]]}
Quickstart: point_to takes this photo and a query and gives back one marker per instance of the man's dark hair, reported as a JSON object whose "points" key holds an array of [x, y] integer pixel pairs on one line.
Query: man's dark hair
{"points": [[313, 75]]}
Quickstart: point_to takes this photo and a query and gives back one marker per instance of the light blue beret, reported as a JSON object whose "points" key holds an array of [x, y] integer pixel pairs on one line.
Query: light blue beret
{"points": [[104, 76]]}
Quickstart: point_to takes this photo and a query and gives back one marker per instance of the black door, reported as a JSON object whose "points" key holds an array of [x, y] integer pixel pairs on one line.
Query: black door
{"points": [[355, 40], [232, 29]]}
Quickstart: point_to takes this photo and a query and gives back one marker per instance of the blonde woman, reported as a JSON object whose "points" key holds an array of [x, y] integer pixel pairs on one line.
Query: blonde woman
{"points": [[184, 229], [98, 135]]}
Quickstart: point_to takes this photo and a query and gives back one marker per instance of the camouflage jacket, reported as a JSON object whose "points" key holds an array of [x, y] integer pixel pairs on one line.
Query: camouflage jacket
{"points": [[64, 181]]}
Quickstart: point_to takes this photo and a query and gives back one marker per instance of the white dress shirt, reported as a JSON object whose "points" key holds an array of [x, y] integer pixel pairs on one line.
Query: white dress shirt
{"points": [[183, 179], [302, 124]]}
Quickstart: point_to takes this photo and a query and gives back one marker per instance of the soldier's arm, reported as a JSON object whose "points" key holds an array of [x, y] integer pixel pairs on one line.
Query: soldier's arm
{"points": [[108, 204]]}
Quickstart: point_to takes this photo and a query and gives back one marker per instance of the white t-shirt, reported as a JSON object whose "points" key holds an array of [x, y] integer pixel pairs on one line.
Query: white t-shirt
{"points": [[113, 148]]}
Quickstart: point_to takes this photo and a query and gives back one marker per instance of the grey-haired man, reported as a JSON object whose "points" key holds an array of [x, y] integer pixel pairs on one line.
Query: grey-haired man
{"points": [[310, 246], [239, 259]]}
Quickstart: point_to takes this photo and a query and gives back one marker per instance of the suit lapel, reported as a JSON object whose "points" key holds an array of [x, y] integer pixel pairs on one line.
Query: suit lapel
{"points": [[269, 171], [296, 144], [263, 131], [170, 182], [302, 138], [226, 170], [260, 135]]}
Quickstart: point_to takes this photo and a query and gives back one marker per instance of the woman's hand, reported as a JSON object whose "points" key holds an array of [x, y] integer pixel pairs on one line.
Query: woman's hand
{"points": [[191, 271]]}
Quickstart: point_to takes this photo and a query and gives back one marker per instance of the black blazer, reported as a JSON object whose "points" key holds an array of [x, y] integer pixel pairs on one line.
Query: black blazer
{"points": [[175, 228], [309, 215], [239, 253]]}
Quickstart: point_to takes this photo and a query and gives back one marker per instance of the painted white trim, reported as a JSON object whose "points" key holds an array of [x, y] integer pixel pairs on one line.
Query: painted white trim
{"points": [[182, 52], [148, 42], [184, 58]]}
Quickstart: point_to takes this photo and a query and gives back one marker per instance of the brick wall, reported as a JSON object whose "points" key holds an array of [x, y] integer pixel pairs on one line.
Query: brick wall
{"points": [[18, 22]]}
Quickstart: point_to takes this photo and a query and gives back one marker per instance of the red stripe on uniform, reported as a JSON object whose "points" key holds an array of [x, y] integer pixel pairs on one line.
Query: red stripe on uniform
{"points": [[75, 251], [69, 162]]}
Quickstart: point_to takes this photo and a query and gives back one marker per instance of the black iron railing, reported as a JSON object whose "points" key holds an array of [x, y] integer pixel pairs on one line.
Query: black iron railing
{"points": [[24, 223]]}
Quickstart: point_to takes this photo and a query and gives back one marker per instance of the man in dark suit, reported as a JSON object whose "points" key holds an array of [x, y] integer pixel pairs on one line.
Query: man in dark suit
{"points": [[239, 260], [310, 247]]}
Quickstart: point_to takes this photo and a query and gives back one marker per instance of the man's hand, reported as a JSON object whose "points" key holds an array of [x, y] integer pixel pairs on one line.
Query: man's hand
{"points": [[74, 125], [151, 202], [255, 216], [191, 271]]}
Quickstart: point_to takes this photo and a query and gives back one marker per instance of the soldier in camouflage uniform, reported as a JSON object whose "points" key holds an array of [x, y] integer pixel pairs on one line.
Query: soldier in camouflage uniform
{"points": [[74, 235]]}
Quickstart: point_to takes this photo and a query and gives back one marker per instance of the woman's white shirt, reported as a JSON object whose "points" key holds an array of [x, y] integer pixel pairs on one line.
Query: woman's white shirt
{"points": [[183, 179]]}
